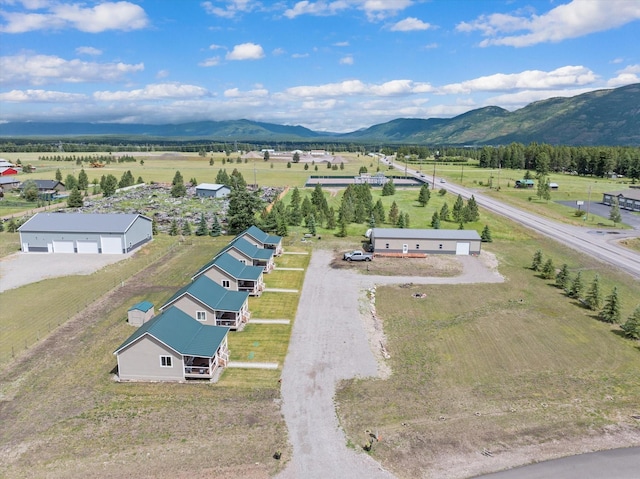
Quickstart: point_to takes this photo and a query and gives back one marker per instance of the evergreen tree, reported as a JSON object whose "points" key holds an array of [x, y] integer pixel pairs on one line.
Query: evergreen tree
{"points": [[611, 311], [548, 270], [83, 180], [331, 219], [296, 159], [389, 189], [173, 229], [222, 178], [444, 212], [536, 263], [576, 286], [243, 206], [311, 224], [1, 226], [75, 198], [295, 214], [407, 222], [139, 181], [30, 191], [400, 223], [461, 226], [306, 207], [70, 182], [393, 214], [594, 297], [110, 185], [471, 212], [342, 227], [178, 190], [154, 227], [614, 213], [424, 195], [186, 229], [631, 327], [12, 226], [177, 178], [216, 229], [236, 180], [58, 175], [458, 210], [281, 227], [562, 278], [202, 229], [486, 235], [435, 220], [372, 221], [378, 212]]}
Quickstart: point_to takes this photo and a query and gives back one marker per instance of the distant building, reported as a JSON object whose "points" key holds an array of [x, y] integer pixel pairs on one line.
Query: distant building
{"points": [[365, 178], [212, 190], [398, 241], [525, 184], [627, 199]]}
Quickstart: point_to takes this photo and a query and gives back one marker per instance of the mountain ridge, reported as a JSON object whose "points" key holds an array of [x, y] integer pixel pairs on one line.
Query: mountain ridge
{"points": [[601, 117]]}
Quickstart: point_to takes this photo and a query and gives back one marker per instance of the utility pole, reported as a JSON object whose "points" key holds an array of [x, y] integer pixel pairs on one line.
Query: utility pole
{"points": [[588, 202], [434, 173]]}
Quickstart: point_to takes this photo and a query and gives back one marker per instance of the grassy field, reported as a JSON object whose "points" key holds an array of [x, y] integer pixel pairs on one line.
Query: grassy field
{"points": [[496, 367]]}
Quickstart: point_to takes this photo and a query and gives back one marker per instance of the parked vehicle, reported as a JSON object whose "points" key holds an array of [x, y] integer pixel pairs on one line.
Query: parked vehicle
{"points": [[357, 255]]}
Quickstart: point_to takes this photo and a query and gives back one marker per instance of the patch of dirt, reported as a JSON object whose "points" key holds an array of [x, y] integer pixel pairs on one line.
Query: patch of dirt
{"points": [[433, 266]]}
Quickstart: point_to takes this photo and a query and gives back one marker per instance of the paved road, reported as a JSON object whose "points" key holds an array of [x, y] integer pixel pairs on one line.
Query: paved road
{"points": [[613, 464], [594, 243]]}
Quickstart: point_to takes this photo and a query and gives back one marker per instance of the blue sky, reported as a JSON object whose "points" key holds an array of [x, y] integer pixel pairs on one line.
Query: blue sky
{"points": [[330, 65]]}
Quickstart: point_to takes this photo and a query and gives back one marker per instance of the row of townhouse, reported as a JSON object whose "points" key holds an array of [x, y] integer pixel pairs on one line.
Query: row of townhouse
{"points": [[188, 339]]}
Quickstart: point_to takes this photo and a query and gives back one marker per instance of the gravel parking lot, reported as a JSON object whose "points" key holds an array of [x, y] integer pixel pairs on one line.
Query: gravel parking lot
{"points": [[331, 341]]}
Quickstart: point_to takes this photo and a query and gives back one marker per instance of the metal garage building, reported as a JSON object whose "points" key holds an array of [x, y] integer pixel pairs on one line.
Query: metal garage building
{"points": [[425, 241], [106, 233]]}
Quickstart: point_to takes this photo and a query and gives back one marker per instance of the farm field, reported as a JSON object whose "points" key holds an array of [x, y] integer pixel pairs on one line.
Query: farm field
{"points": [[517, 369]]}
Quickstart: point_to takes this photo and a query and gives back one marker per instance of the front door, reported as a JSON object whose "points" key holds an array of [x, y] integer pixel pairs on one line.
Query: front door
{"points": [[405, 248]]}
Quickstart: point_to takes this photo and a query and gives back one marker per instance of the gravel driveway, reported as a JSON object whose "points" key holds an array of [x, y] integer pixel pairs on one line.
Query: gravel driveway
{"points": [[329, 342]]}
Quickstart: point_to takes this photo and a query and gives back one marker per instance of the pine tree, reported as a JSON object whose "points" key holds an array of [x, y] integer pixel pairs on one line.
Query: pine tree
{"points": [[178, 190], [407, 222], [281, 227], [594, 297], [177, 178], [186, 229], [400, 223], [154, 227], [435, 220], [536, 263], [471, 210], [393, 214], [110, 185], [611, 311], [222, 178], [444, 212], [486, 235], [295, 215], [548, 270], [331, 219], [424, 195], [173, 229], [378, 212], [311, 224], [216, 229], [576, 286], [58, 175], [75, 198], [83, 180], [631, 327], [614, 214], [243, 206], [342, 225], [562, 278], [458, 210], [202, 229]]}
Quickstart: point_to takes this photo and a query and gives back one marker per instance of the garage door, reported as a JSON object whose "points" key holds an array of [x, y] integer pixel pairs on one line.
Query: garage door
{"points": [[462, 248], [111, 245], [87, 247], [63, 247]]}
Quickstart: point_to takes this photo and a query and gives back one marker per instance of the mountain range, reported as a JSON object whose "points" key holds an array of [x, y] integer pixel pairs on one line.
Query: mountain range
{"points": [[602, 117]]}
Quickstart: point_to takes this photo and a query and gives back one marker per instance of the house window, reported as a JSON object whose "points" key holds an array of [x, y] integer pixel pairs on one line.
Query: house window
{"points": [[166, 362], [201, 315], [225, 283], [440, 246], [417, 245], [386, 245]]}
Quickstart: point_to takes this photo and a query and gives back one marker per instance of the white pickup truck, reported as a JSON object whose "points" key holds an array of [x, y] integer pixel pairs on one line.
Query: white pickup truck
{"points": [[357, 255]]}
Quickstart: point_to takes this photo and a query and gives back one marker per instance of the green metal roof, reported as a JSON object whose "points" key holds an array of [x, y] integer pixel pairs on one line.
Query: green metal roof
{"points": [[261, 236], [181, 333], [233, 267], [211, 294], [143, 306], [250, 250]]}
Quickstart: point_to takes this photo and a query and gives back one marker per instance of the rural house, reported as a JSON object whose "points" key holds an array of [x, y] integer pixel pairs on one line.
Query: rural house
{"points": [[627, 199], [211, 304], [9, 183], [173, 347], [249, 253], [106, 233], [231, 274], [212, 190], [261, 239], [140, 313], [424, 241], [8, 171], [524, 184]]}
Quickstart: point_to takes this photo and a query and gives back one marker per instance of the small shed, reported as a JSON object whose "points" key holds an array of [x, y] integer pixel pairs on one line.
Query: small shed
{"points": [[140, 313], [8, 170], [404, 241], [212, 190]]}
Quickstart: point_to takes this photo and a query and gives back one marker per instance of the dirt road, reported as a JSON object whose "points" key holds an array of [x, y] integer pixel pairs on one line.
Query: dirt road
{"points": [[329, 343]]}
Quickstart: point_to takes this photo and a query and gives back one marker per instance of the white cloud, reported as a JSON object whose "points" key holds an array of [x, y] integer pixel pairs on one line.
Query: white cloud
{"points": [[230, 8], [246, 51], [88, 51], [530, 79], [256, 93], [357, 87], [42, 69], [410, 24], [58, 16], [278, 51], [341, 44], [162, 74], [299, 55], [522, 98], [571, 20], [374, 9], [41, 96], [348, 60], [210, 62], [626, 76], [157, 91], [213, 46]]}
